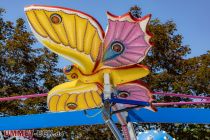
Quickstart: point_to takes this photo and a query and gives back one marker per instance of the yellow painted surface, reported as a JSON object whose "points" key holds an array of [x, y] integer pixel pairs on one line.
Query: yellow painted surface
{"points": [[52, 104], [74, 92], [118, 75], [36, 25], [75, 38], [62, 102], [90, 99]]}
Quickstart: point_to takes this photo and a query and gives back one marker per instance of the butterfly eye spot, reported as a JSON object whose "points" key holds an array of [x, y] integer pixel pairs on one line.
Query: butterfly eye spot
{"points": [[72, 106], [67, 69], [117, 47], [123, 94], [55, 18], [74, 76]]}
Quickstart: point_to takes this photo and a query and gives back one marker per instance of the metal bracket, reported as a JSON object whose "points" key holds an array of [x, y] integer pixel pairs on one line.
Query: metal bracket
{"points": [[108, 99], [107, 86], [111, 125]]}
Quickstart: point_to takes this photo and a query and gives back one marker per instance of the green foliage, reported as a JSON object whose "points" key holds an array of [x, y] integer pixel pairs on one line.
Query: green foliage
{"points": [[196, 74], [24, 69]]}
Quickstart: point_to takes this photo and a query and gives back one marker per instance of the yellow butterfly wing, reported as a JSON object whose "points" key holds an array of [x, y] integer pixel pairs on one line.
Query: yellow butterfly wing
{"points": [[72, 34], [74, 95]]}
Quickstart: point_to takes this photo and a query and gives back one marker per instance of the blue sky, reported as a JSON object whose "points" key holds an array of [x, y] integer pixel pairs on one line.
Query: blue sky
{"points": [[191, 16]]}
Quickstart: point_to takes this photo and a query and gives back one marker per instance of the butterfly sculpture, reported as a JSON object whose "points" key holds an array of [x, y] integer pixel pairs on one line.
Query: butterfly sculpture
{"points": [[79, 38]]}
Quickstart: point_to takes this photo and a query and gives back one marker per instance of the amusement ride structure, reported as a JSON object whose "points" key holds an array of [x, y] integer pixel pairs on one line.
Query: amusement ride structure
{"points": [[104, 77]]}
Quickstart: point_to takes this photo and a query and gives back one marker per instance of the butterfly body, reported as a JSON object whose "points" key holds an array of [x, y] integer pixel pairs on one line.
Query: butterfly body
{"points": [[118, 75], [78, 37]]}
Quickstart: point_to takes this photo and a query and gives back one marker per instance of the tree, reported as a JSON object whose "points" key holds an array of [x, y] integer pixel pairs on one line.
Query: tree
{"points": [[170, 72], [24, 69]]}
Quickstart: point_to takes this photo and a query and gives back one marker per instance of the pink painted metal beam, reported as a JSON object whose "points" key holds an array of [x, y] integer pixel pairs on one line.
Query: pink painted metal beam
{"points": [[206, 101], [22, 97], [180, 95], [180, 103]]}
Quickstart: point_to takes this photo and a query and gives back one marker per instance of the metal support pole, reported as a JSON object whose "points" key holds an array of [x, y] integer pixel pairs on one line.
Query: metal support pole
{"points": [[112, 127], [131, 131], [107, 86], [127, 127], [107, 108]]}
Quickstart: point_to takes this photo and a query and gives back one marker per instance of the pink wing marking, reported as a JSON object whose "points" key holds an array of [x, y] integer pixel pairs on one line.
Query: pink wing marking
{"points": [[136, 92], [132, 34]]}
